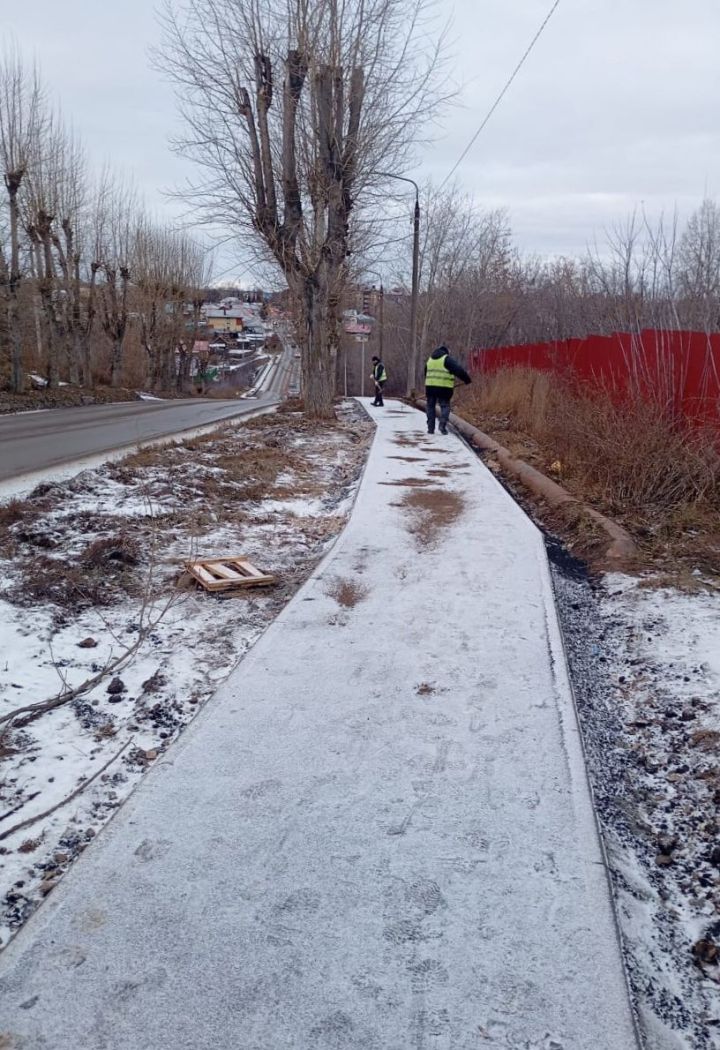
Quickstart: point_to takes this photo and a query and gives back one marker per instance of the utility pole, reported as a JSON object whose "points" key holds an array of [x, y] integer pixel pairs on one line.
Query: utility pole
{"points": [[412, 370]]}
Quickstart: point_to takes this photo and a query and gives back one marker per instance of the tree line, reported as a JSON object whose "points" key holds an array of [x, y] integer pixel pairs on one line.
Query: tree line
{"points": [[477, 289], [299, 131], [93, 290]]}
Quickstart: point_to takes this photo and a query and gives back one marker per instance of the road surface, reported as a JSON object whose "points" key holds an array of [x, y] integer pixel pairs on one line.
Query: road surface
{"points": [[378, 835], [35, 441]]}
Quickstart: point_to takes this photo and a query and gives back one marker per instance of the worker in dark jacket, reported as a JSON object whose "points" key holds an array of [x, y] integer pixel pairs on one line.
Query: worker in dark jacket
{"points": [[441, 371], [379, 378]]}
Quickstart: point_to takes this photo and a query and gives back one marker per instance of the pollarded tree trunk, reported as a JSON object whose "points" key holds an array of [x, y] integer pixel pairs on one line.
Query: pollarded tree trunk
{"points": [[319, 360], [116, 360], [17, 371]]}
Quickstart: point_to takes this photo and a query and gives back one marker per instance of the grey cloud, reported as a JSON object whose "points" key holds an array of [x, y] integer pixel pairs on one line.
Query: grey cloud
{"points": [[617, 105]]}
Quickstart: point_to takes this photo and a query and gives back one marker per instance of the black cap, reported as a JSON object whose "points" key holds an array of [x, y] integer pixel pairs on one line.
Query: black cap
{"points": [[374, 358]]}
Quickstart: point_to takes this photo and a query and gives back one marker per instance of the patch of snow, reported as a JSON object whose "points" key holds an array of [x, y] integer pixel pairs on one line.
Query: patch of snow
{"points": [[646, 668], [185, 654]]}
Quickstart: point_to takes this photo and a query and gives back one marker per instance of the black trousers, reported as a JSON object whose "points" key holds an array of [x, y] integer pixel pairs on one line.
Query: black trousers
{"points": [[437, 396], [379, 393]]}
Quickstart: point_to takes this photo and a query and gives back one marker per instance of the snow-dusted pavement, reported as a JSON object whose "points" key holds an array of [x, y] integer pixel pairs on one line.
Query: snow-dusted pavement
{"points": [[379, 835]]}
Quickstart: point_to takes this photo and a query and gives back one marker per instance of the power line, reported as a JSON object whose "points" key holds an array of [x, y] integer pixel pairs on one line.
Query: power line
{"points": [[502, 94]]}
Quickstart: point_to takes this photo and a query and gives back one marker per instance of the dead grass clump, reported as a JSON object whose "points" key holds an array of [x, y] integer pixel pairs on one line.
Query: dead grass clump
{"points": [[29, 845], [705, 740], [14, 513], [60, 583], [408, 482], [347, 593], [15, 510], [432, 512], [291, 405], [624, 456], [112, 551], [258, 464], [105, 732], [200, 440], [144, 457], [103, 573]]}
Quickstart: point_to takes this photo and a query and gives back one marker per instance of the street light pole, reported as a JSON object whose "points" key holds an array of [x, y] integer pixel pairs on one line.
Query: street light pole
{"points": [[412, 368], [412, 371], [381, 333], [382, 320]]}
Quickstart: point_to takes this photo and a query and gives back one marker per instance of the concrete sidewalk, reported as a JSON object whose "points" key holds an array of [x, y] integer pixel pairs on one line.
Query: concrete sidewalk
{"points": [[378, 835]]}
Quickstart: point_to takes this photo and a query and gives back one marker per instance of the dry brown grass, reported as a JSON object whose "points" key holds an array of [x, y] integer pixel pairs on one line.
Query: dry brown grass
{"points": [[347, 593], [29, 845], [13, 511], [112, 551], [661, 480], [430, 513]]}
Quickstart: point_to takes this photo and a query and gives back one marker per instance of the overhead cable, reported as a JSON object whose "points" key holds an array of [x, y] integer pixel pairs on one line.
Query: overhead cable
{"points": [[502, 94]]}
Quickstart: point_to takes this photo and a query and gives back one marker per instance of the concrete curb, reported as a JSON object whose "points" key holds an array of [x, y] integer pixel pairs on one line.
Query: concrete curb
{"points": [[622, 550]]}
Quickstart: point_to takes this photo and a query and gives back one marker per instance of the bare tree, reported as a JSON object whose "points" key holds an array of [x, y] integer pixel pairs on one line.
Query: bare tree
{"points": [[170, 271], [116, 218], [21, 120], [302, 103], [699, 266]]}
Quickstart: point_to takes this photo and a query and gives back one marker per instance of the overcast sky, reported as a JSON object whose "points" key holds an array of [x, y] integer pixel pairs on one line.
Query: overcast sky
{"points": [[616, 108]]}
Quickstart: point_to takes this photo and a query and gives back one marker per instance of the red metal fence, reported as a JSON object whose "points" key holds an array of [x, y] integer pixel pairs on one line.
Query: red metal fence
{"points": [[679, 370]]}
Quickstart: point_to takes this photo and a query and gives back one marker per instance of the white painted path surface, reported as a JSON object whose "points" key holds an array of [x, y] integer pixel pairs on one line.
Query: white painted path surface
{"points": [[378, 836]]}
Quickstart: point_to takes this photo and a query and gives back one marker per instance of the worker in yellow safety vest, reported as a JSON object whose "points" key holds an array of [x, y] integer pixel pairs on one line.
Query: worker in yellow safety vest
{"points": [[441, 371], [379, 378]]}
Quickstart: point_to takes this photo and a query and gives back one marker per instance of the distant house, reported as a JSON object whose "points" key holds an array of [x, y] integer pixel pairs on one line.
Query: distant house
{"points": [[225, 318]]}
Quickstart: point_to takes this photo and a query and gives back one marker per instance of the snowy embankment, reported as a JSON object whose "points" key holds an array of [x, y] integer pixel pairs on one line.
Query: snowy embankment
{"points": [[89, 578], [646, 668]]}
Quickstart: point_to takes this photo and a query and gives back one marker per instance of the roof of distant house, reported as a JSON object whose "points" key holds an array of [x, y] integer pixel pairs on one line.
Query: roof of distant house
{"points": [[229, 311]]}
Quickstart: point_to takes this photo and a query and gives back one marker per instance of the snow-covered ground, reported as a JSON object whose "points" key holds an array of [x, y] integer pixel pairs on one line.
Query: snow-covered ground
{"points": [[646, 667], [89, 569]]}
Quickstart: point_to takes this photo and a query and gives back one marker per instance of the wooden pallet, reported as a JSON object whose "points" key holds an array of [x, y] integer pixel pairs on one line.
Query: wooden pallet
{"points": [[227, 573]]}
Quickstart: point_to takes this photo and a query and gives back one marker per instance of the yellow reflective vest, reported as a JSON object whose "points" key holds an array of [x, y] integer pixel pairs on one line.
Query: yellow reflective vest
{"points": [[436, 374]]}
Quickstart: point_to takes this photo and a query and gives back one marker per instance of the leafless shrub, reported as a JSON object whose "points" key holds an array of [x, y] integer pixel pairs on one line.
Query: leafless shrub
{"points": [[622, 453]]}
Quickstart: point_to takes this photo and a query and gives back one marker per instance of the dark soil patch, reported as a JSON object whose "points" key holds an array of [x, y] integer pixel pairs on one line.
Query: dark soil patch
{"points": [[409, 459], [408, 482], [64, 397]]}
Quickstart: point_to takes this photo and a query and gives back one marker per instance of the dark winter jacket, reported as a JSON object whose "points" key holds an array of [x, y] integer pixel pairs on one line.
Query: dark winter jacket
{"points": [[378, 372], [454, 368]]}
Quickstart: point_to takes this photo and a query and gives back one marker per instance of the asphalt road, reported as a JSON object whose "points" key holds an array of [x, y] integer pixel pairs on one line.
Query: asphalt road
{"points": [[34, 441]]}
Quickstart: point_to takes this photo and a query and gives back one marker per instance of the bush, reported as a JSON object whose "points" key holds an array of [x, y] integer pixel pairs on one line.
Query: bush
{"points": [[623, 454]]}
